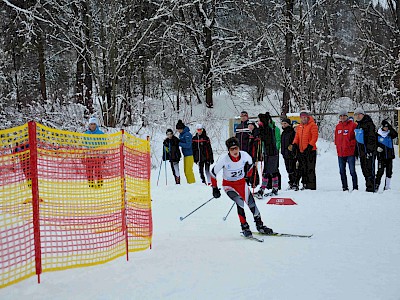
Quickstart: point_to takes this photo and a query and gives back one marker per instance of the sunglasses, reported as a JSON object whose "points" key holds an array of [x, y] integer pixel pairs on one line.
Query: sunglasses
{"points": [[199, 130]]}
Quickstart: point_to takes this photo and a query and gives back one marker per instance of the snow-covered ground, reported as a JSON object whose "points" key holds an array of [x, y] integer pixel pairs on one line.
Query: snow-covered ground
{"points": [[353, 254]]}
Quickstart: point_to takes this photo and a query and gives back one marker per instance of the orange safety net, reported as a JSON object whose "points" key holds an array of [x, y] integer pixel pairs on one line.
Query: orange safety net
{"points": [[70, 199]]}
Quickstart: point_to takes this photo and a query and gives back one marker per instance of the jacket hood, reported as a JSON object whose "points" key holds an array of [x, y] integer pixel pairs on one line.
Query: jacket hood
{"points": [[366, 119]]}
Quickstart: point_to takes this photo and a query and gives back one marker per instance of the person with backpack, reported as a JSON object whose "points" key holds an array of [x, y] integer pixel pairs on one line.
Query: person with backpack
{"points": [[385, 156], [202, 153], [172, 153], [237, 167], [287, 138], [345, 141], [185, 142], [366, 147]]}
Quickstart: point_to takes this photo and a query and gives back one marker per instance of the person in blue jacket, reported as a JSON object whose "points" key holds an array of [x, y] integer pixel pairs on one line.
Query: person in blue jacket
{"points": [[185, 142], [94, 161]]}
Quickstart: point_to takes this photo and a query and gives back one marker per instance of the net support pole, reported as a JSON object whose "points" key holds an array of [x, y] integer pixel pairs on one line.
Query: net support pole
{"points": [[123, 193], [33, 158], [149, 173]]}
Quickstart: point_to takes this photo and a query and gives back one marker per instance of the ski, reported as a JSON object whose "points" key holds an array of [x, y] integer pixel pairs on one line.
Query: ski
{"points": [[285, 235], [253, 238]]}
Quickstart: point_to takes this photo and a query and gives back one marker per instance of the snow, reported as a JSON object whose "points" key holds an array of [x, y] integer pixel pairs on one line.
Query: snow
{"points": [[353, 254]]}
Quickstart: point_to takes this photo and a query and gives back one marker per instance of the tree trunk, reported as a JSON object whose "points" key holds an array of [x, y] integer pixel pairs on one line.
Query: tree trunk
{"points": [[207, 67], [42, 69], [288, 13]]}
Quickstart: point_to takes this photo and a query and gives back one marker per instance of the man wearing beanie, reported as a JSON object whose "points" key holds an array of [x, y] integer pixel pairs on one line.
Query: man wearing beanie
{"points": [[237, 166], [345, 141], [185, 142], [385, 156], [94, 161], [306, 140], [366, 147], [172, 153], [242, 132]]}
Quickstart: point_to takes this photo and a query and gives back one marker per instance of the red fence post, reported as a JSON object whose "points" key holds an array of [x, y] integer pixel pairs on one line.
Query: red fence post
{"points": [[149, 179], [123, 192], [35, 195]]}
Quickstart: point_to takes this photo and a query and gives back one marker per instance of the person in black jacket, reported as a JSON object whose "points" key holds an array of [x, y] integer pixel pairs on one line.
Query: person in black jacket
{"points": [[254, 151], [386, 135], [289, 157], [172, 153], [270, 155], [242, 132], [366, 147], [202, 153]]}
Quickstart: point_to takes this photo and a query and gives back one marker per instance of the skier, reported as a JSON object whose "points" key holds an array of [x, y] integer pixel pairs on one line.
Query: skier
{"points": [[306, 140], [242, 131], [237, 166], [185, 142], [172, 153], [366, 147], [269, 142], [94, 162], [202, 153], [386, 135], [287, 138], [345, 141]]}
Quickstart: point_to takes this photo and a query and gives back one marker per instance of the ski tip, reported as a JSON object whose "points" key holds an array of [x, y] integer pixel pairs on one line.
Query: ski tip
{"points": [[180, 218], [224, 218]]}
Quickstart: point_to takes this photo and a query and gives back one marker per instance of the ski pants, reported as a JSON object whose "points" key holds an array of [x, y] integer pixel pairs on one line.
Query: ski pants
{"points": [[188, 162], [382, 165], [368, 170], [205, 166], [175, 168], [307, 163], [240, 194]]}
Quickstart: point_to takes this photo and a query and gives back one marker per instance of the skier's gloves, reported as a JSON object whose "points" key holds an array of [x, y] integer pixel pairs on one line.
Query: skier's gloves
{"points": [[216, 192], [309, 148], [379, 149]]}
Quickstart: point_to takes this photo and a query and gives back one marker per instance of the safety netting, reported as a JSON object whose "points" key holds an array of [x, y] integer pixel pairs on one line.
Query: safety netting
{"points": [[70, 199]]}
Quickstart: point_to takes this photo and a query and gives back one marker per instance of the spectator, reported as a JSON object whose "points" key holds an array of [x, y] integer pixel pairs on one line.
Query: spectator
{"points": [[185, 142]]}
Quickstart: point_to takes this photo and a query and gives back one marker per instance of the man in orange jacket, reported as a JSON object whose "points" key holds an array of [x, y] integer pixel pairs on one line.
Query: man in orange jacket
{"points": [[306, 141]]}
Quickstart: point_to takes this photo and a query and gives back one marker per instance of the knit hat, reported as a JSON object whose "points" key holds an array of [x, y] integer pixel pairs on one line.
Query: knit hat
{"points": [[286, 120], [359, 110], [304, 113], [343, 112], [180, 125], [94, 120], [169, 130], [252, 123], [385, 123], [199, 126], [232, 142]]}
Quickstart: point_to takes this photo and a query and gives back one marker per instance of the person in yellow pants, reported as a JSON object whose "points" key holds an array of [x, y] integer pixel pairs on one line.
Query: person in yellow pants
{"points": [[185, 142]]}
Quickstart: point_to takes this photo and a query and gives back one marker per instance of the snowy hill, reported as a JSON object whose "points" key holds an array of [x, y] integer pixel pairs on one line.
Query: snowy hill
{"points": [[354, 253]]}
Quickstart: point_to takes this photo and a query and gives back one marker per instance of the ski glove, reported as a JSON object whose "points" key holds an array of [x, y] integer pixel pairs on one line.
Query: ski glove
{"points": [[379, 149], [216, 192], [309, 148]]}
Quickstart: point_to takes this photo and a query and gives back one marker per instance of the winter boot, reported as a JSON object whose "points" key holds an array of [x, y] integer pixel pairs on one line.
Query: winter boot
{"points": [[246, 230], [260, 226], [177, 180], [274, 192], [387, 183], [259, 194]]}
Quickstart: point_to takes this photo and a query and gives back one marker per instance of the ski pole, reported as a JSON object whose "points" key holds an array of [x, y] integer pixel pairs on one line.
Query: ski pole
{"points": [[165, 165], [159, 172], [224, 218], [182, 218]]}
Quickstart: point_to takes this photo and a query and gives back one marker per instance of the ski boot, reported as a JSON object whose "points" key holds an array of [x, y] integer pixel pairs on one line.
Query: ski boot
{"points": [[246, 230], [274, 192], [260, 226], [259, 194]]}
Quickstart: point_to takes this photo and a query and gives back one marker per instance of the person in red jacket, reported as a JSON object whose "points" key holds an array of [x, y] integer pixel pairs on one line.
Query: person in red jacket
{"points": [[345, 141], [306, 139]]}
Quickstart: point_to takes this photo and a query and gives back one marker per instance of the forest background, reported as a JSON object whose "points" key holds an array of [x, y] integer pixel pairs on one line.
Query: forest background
{"points": [[138, 64]]}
